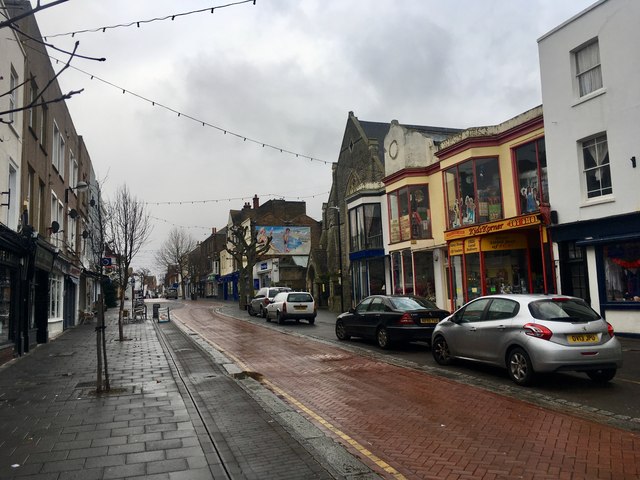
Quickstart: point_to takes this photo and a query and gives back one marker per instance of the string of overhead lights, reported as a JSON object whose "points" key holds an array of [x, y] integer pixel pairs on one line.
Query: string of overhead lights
{"points": [[181, 226], [197, 120], [232, 199], [137, 23]]}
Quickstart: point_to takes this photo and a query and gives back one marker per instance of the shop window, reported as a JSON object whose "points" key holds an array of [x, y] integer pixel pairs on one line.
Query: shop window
{"points": [[407, 267], [5, 303], [531, 165], [597, 174], [409, 214], [55, 296], [622, 271], [473, 192], [506, 272], [474, 278], [425, 283], [396, 268]]}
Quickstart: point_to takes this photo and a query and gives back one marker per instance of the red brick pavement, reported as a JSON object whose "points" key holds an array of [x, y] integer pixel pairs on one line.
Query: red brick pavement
{"points": [[424, 426]]}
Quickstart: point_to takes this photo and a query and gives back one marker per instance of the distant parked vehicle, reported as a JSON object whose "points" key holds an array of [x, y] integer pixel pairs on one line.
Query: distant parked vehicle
{"points": [[528, 334], [171, 293], [389, 319], [292, 305], [258, 304]]}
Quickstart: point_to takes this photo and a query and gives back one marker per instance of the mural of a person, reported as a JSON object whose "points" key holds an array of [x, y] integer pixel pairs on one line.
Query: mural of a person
{"points": [[285, 239]]}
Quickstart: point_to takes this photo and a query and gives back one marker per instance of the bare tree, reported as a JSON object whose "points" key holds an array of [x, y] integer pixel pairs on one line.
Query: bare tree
{"points": [[128, 229], [175, 252], [143, 274], [246, 250]]}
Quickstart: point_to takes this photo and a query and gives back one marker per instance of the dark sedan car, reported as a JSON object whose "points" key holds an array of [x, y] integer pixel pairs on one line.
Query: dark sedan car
{"points": [[389, 319]]}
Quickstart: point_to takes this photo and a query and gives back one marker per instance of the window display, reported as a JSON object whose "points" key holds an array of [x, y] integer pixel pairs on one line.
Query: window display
{"points": [[622, 271], [409, 214], [5, 303], [531, 163], [473, 192]]}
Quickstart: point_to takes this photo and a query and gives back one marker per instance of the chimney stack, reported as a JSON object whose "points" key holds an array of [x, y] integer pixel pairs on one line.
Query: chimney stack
{"points": [[256, 202], [214, 230]]}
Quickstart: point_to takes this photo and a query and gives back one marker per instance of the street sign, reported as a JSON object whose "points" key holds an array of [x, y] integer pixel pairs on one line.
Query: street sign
{"points": [[106, 261]]}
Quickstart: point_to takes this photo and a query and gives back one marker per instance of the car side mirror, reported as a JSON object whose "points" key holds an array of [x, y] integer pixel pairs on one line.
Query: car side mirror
{"points": [[352, 310]]}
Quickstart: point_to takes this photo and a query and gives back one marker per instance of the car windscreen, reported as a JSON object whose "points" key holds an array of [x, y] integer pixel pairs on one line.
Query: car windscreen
{"points": [[568, 310], [299, 297], [411, 303]]}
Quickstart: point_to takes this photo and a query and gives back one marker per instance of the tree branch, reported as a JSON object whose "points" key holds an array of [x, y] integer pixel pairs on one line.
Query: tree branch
{"points": [[33, 11]]}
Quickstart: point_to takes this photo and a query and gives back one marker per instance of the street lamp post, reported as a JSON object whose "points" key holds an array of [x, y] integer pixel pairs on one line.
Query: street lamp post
{"points": [[337, 209]]}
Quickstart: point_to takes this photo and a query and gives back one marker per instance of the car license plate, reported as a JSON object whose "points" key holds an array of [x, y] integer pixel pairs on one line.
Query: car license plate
{"points": [[430, 321], [583, 338], [300, 307]]}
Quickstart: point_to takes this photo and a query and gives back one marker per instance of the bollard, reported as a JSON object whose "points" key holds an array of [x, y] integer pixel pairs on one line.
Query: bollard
{"points": [[156, 311]]}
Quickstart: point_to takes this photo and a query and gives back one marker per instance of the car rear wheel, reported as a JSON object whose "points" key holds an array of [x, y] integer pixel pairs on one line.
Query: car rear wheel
{"points": [[603, 375], [519, 367], [440, 352], [312, 321], [280, 319], [250, 311], [383, 338], [263, 312]]}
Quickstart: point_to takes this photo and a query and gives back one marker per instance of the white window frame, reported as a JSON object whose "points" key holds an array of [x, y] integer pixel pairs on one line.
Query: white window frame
{"points": [[57, 158], [73, 171], [13, 94], [587, 68], [600, 143], [56, 292], [72, 229], [57, 214]]}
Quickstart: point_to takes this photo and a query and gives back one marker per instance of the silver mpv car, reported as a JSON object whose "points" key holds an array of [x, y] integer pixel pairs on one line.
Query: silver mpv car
{"points": [[527, 334]]}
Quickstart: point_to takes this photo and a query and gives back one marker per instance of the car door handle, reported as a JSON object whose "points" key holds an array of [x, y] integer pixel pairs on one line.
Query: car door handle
{"points": [[501, 327], [472, 329]]}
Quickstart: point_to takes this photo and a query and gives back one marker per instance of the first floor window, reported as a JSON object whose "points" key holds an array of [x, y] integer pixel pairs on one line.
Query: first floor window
{"points": [[588, 70], [597, 174], [622, 271]]}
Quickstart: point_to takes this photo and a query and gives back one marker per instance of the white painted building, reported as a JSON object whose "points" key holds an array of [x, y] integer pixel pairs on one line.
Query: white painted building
{"points": [[11, 80], [590, 73]]}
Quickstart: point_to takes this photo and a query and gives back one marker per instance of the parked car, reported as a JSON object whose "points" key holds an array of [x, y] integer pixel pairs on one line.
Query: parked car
{"points": [[292, 305], [171, 293], [258, 304], [527, 334], [389, 319]]}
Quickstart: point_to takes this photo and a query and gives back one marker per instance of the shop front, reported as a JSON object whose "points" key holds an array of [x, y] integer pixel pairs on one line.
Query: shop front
{"points": [[508, 256]]}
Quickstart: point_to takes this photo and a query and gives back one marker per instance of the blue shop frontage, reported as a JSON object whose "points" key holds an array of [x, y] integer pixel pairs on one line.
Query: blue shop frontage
{"points": [[228, 286], [599, 260]]}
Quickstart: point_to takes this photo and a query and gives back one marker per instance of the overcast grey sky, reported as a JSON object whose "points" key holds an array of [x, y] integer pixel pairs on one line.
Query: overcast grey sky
{"points": [[284, 73]]}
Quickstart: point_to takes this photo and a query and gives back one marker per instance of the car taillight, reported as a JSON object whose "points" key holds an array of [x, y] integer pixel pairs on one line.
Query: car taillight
{"points": [[538, 331], [266, 301], [406, 320], [610, 330]]}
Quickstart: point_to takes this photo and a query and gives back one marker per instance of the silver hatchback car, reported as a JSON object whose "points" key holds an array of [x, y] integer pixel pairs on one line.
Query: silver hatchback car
{"points": [[527, 334]]}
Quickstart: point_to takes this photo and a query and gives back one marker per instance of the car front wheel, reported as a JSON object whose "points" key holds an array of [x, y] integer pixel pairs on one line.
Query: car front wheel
{"points": [[519, 367], [603, 375], [280, 319], [440, 351], [250, 311], [341, 331]]}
